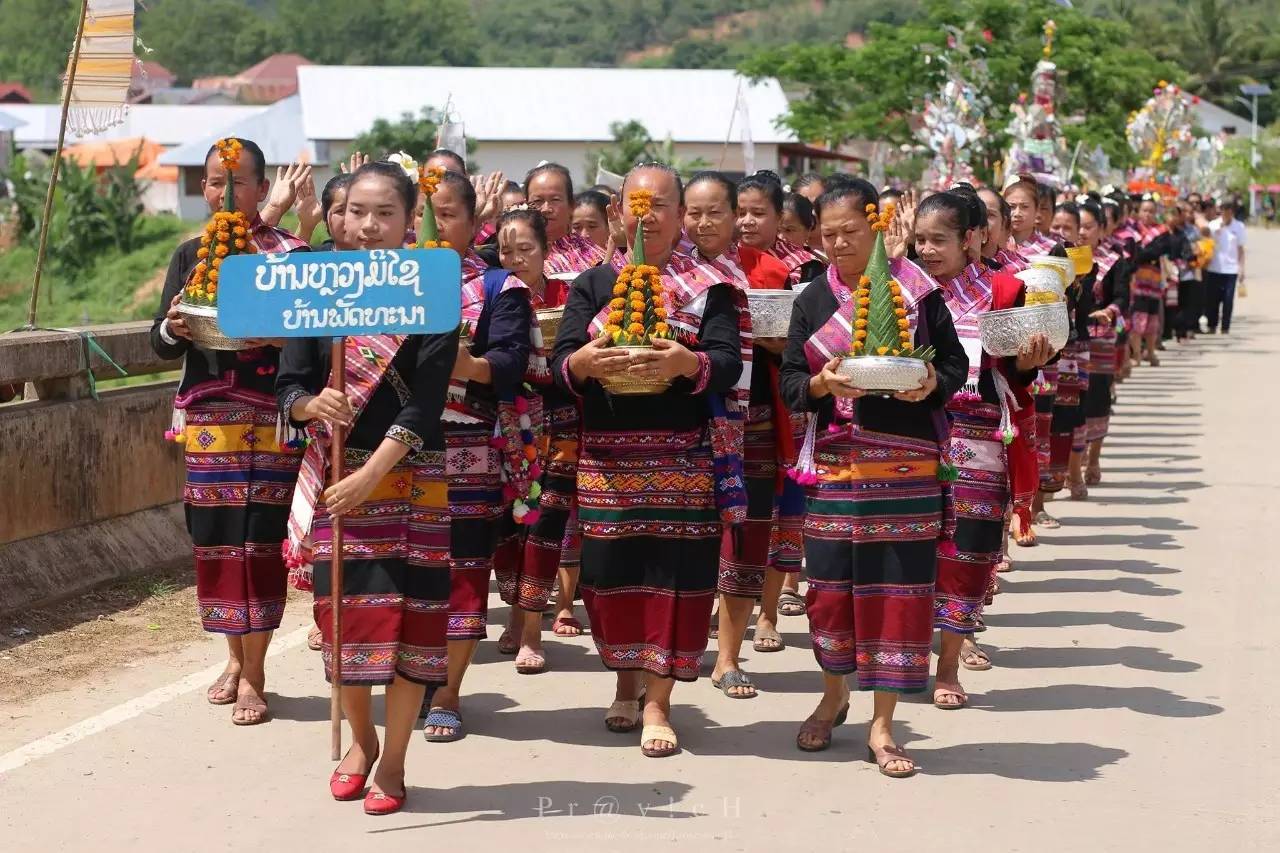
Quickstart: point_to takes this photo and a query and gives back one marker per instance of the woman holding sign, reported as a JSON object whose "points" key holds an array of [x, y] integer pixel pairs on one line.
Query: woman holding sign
{"points": [[394, 602], [647, 499]]}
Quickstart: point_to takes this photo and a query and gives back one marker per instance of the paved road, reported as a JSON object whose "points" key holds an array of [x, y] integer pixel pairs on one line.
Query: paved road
{"points": [[1133, 703]]}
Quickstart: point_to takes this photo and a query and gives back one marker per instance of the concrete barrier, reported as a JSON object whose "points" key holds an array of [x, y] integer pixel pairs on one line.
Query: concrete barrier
{"points": [[88, 488]]}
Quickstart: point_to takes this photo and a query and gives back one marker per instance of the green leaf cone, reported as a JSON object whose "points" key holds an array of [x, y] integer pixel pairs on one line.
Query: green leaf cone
{"points": [[882, 323]]}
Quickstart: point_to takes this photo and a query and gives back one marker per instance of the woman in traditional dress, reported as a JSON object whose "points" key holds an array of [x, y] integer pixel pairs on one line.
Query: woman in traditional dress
{"points": [[549, 187], [591, 217], [646, 482], [750, 551], [997, 249], [333, 207], [798, 220], [992, 419], [1067, 438], [1155, 241], [497, 311], [1024, 199], [875, 513], [395, 604], [528, 560], [240, 471], [1110, 285], [761, 202]]}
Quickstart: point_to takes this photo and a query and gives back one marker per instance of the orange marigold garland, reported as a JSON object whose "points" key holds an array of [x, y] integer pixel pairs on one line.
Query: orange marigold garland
{"points": [[880, 325], [637, 312], [225, 235], [429, 183]]}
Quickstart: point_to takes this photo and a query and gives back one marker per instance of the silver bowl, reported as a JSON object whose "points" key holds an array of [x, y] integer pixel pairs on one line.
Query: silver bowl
{"points": [[884, 373], [1005, 332], [548, 320], [202, 320], [770, 312]]}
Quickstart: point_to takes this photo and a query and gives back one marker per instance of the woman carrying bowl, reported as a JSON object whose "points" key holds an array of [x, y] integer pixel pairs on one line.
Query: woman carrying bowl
{"points": [[875, 500], [1110, 285], [748, 554], [530, 554], [992, 421], [647, 485]]}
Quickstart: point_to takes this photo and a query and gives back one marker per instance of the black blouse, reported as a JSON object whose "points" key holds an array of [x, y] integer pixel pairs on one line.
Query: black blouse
{"points": [[814, 307], [679, 408], [407, 403]]}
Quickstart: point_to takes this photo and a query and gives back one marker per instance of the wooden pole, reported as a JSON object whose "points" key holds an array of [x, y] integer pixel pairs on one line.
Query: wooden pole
{"points": [[338, 381], [42, 248]]}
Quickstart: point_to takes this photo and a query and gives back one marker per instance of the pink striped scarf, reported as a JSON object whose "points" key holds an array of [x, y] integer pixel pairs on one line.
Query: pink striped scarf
{"points": [[367, 360], [795, 257], [572, 253], [835, 338], [967, 296]]}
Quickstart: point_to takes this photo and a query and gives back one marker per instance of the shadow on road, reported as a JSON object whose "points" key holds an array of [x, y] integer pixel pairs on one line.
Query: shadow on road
{"points": [[1154, 701], [1134, 657]]}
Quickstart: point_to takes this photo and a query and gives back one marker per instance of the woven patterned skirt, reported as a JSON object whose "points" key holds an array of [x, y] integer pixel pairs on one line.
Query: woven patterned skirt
{"points": [[650, 548], [238, 488], [526, 563], [395, 579], [1067, 428], [747, 552], [1146, 298], [1102, 370], [1044, 391], [476, 521], [871, 548], [981, 496]]}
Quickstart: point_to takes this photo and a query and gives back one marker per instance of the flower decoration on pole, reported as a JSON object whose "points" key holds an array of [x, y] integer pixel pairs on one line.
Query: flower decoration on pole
{"points": [[880, 325], [428, 184], [1038, 148], [225, 235], [1160, 132], [952, 118], [637, 312]]}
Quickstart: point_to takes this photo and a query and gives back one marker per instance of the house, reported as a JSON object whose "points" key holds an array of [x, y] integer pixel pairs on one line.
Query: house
{"points": [[148, 77], [277, 128], [521, 116], [14, 93], [170, 126], [270, 80], [1214, 120]]}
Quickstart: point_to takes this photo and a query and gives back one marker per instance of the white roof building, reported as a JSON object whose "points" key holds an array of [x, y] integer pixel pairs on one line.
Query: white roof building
{"points": [[169, 125], [1214, 119]]}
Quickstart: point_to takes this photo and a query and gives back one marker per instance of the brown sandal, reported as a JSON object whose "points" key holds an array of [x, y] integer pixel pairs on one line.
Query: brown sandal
{"points": [[222, 686], [812, 726], [884, 755], [251, 703]]}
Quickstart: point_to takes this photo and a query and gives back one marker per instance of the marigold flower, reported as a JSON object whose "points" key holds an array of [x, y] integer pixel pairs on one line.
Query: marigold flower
{"points": [[240, 244], [660, 328], [859, 324], [635, 329], [618, 304], [619, 289], [863, 313], [901, 312], [871, 208], [903, 324], [637, 316], [221, 251], [882, 350], [239, 231], [864, 280], [660, 313], [860, 335], [213, 275], [202, 253]]}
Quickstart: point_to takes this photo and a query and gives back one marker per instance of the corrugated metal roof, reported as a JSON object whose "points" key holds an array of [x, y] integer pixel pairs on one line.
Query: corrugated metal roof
{"points": [[277, 128], [170, 125], [540, 104]]}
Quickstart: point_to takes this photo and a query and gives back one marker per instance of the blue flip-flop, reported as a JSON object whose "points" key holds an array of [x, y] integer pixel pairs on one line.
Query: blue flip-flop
{"points": [[444, 718]]}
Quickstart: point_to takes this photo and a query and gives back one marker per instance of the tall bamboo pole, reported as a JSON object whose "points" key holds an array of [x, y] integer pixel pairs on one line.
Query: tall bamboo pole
{"points": [[72, 64]]}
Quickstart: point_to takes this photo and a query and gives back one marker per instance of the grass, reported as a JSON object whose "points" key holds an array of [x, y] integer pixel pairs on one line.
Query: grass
{"points": [[105, 294]]}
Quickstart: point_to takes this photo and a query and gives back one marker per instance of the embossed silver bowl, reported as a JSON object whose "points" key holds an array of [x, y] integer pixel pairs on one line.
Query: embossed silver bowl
{"points": [[884, 373], [770, 312], [1005, 332]]}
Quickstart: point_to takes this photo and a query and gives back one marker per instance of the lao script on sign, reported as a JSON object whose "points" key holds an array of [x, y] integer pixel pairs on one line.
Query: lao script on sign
{"points": [[325, 294]]}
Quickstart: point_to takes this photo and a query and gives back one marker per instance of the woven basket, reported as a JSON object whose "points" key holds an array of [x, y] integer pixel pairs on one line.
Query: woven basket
{"points": [[884, 374], [625, 383], [202, 320], [549, 322]]}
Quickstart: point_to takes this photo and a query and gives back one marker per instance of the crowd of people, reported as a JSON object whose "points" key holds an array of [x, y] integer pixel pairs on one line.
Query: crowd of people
{"points": [[754, 473]]}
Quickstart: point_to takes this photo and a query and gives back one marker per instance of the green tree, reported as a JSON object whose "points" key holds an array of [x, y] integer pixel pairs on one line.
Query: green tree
{"points": [[413, 134], [632, 144], [874, 92], [208, 38], [35, 40], [379, 32]]}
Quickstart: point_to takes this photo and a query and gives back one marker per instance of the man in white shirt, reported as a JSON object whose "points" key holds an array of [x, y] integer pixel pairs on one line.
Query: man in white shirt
{"points": [[1226, 269]]}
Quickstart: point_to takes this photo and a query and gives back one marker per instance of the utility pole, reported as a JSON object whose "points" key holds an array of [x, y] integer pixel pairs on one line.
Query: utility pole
{"points": [[1254, 91]]}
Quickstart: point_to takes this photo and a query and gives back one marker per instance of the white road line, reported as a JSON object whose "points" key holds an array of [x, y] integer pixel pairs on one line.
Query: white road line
{"points": [[50, 744]]}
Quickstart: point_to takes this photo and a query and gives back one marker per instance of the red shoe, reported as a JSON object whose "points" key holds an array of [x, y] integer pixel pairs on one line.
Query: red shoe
{"points": [[349, 786], [377, 803]]}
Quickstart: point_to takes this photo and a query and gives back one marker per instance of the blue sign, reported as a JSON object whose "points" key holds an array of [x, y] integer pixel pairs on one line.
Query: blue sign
{"points": [[329, 294]]}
